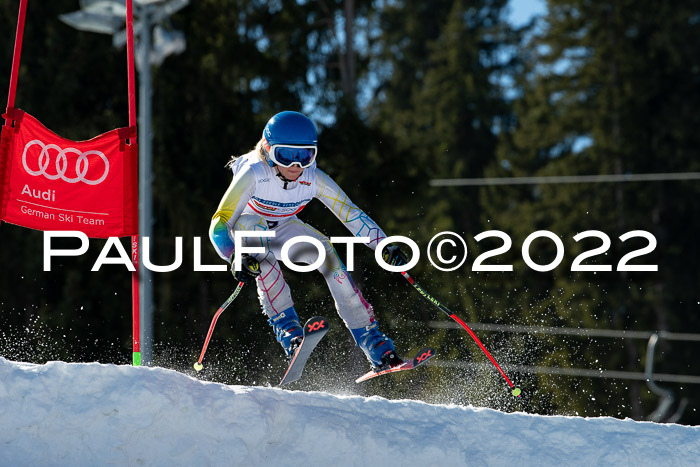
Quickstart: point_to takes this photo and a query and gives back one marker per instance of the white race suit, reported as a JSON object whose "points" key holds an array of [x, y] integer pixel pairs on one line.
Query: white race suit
{"points": [[257, 199]]}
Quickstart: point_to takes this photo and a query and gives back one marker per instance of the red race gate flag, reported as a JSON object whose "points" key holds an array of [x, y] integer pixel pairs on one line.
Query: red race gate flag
{"points": [[106, 206], [51, 183]]}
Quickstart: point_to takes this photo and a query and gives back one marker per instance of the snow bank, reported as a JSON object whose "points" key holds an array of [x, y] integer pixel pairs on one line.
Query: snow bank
{"points": [[94, 414]]}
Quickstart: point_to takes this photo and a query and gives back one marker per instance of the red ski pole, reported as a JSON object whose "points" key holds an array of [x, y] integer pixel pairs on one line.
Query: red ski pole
{"points": [[514, 390], [198, 366]]}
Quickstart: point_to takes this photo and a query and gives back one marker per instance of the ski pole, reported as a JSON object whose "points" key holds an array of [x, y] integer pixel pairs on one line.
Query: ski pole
{"points": [[515, 390], [198, 366]]}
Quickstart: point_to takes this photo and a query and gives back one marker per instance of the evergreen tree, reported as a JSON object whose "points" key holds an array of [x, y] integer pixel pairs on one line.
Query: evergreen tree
{"points": [[604, 94], [436, 106]]}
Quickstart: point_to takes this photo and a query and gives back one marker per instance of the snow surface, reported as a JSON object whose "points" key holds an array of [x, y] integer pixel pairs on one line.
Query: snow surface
{"points": [[77, 414]]}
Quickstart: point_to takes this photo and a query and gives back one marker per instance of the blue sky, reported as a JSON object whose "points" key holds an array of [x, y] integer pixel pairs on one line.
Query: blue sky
{"points": [[522, 10]]}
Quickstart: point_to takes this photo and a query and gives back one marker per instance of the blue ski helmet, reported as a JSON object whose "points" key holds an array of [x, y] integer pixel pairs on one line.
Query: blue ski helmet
{"points": [[290, 128]]}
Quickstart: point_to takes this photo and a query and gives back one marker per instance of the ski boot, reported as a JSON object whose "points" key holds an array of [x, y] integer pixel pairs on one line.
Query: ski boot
{"points": [[288, 331], [378, 348]]}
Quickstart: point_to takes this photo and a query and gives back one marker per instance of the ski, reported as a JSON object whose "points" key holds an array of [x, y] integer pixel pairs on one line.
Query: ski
{"points": [[421, 357], [314, 330]]}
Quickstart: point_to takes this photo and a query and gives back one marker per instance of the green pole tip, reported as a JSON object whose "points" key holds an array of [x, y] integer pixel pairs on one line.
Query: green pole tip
{"points": [[137, 358]]}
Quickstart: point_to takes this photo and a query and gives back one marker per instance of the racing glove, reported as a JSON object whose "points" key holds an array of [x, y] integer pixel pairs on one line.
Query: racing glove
{"points": [[394, 256], [250, 268]]}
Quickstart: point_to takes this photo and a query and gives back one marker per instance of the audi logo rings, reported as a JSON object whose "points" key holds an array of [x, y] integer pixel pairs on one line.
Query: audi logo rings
{"points": [[81, 163]]}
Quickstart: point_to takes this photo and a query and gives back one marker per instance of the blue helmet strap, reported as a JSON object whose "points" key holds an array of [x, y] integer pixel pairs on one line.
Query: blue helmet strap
{"points": [[285, 179]]}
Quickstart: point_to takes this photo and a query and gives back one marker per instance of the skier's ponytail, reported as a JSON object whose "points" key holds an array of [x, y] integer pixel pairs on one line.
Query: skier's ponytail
{"points": [[258, 149]]}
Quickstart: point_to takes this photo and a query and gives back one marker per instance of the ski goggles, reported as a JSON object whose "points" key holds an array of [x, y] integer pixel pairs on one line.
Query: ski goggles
{"points": [[287, 155]]}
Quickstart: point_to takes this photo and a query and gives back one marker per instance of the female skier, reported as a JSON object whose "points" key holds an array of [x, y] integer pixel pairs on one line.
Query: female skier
{"points": [[271, 185]]}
